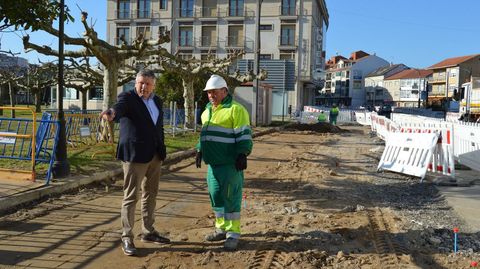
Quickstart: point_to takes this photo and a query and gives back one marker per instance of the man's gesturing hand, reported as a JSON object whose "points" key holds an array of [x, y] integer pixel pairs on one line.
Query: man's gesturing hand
{"points": [[108, 114], [198, 159], [241, 162]]}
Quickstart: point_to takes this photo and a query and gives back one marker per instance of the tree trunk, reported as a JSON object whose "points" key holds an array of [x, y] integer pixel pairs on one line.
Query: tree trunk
{"points": [[12, 99], [189, 100], [1, 99], [110, 85], [84, 99], [38, 101]]}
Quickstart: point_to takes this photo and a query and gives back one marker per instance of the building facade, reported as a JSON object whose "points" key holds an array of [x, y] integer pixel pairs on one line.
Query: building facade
{"points": [[291, 30], [409, 88], [375, 92], [345, 78], [448, 76]]}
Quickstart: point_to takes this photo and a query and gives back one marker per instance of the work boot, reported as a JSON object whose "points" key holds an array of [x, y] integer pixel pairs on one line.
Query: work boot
{"points": [[154, 237], [231, 244], [217, 235], [128, 247]]}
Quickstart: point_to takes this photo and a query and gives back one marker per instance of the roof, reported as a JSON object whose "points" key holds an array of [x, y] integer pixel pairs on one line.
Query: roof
{"points": [[411, 73], [383, 70], [452, 61]]}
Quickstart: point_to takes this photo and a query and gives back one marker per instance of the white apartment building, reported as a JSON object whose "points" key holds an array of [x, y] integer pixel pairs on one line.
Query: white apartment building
{"points": [[345, 79], [292, 33]]}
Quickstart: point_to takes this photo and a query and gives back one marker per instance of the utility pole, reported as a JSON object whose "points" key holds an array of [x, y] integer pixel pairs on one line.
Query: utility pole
{"points": [[256, 67], [61, 168]]}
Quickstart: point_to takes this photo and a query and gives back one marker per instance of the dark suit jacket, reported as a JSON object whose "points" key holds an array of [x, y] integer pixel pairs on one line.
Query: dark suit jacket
{"points": [[140, 138]]}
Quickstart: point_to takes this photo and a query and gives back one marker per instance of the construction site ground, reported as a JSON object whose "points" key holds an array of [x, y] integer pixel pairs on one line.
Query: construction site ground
{"points": [[313, 199]]}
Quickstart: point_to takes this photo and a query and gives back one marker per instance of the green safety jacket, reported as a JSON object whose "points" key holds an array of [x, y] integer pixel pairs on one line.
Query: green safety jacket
{"points": [[322, 117], [225, 132]]}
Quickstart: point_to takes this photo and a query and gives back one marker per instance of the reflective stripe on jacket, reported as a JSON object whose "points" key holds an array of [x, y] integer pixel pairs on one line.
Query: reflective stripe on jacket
{"points": [[225, 132]]}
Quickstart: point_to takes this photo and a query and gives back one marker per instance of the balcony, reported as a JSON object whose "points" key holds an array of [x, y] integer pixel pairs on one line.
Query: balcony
{"points": [[235, 42], [207, 13], [207, 42], [123, 14], [288, 12], [287, 42], [185, 14], [143, 15], [237, 13]]}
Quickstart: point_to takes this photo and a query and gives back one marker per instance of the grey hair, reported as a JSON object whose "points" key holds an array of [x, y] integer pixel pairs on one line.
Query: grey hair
{"points": [[146, 73]]}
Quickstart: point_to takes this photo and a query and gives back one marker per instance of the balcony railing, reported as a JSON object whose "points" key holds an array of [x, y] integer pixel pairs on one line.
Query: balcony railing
{"points": [[143, 14], [209, 12], [123, 14], [288, 11], [287, 41], [235, 41], [207, 41], [185, 12]]}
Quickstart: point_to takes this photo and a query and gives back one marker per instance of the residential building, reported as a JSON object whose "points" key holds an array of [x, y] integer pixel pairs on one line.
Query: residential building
{"points": [[376, 93], [408, 88], [292, 33], [344, 80], [448, 76]]}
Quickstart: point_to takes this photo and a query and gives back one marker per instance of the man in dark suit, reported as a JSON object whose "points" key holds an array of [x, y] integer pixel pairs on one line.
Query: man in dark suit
{"points": [[141, 149]]}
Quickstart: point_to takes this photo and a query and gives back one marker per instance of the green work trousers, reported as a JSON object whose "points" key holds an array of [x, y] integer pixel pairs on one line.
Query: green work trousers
{"points": [[225, 186]]}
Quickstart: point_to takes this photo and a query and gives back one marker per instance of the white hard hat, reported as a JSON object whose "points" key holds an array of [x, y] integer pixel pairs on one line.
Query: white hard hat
{"points": [[215, 82]]}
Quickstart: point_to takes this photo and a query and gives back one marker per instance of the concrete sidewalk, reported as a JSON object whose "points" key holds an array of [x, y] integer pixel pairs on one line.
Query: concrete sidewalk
{"points": [[463, 195]]}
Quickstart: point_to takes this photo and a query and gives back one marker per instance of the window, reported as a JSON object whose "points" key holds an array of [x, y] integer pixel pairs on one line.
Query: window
{"points": [[287, 36], [236, 8], [95, 94], [162, 30], [143, 8], [209, 36], [123, 33], [266, 27], [144, 30], [163, 4], [70, 93], [185, 37], [186, 8], [265, 56], [209, 8], [288, 7], [123, 9], [235, 36]]}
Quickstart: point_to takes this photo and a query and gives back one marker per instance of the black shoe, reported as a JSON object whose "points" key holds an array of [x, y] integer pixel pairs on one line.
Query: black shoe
{"points": [[154, 238], [231, 244], [128, 247], [217, 235]]}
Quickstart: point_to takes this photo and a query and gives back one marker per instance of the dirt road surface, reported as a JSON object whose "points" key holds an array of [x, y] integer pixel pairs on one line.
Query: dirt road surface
{"points": [[313, 200]]}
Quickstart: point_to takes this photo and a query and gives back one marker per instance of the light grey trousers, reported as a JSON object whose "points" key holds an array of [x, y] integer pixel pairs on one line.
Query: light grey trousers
{"points": [[146, 176]]}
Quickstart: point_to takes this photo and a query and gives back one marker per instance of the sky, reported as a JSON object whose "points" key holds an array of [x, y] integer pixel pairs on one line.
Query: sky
{"points": [[417, 33]]}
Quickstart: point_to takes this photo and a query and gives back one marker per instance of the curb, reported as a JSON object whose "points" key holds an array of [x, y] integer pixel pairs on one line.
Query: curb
{"points": [[10, 202]]}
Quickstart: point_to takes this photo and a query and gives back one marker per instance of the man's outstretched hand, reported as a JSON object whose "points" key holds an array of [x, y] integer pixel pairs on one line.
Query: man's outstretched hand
{"points": [[198, 159], [241, 162]]}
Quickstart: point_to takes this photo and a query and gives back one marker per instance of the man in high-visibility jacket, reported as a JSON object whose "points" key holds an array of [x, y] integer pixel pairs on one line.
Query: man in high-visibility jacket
{"points": [[322, 117], [334, 114], [225, 142]]}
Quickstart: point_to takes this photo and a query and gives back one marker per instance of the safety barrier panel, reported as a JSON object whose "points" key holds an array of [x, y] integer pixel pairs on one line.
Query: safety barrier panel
{"points": [[408, 153], [467, 144], [363, 117], [16, 143], [310, 115]]}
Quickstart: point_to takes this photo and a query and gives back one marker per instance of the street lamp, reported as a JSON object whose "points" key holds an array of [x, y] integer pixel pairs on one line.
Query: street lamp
{"points": [[257, 60], [61, 168]]}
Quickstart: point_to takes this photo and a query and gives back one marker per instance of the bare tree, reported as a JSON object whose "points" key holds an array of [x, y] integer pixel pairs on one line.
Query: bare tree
{"points": [[38, 79], [9, 77], [112, 57]]}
